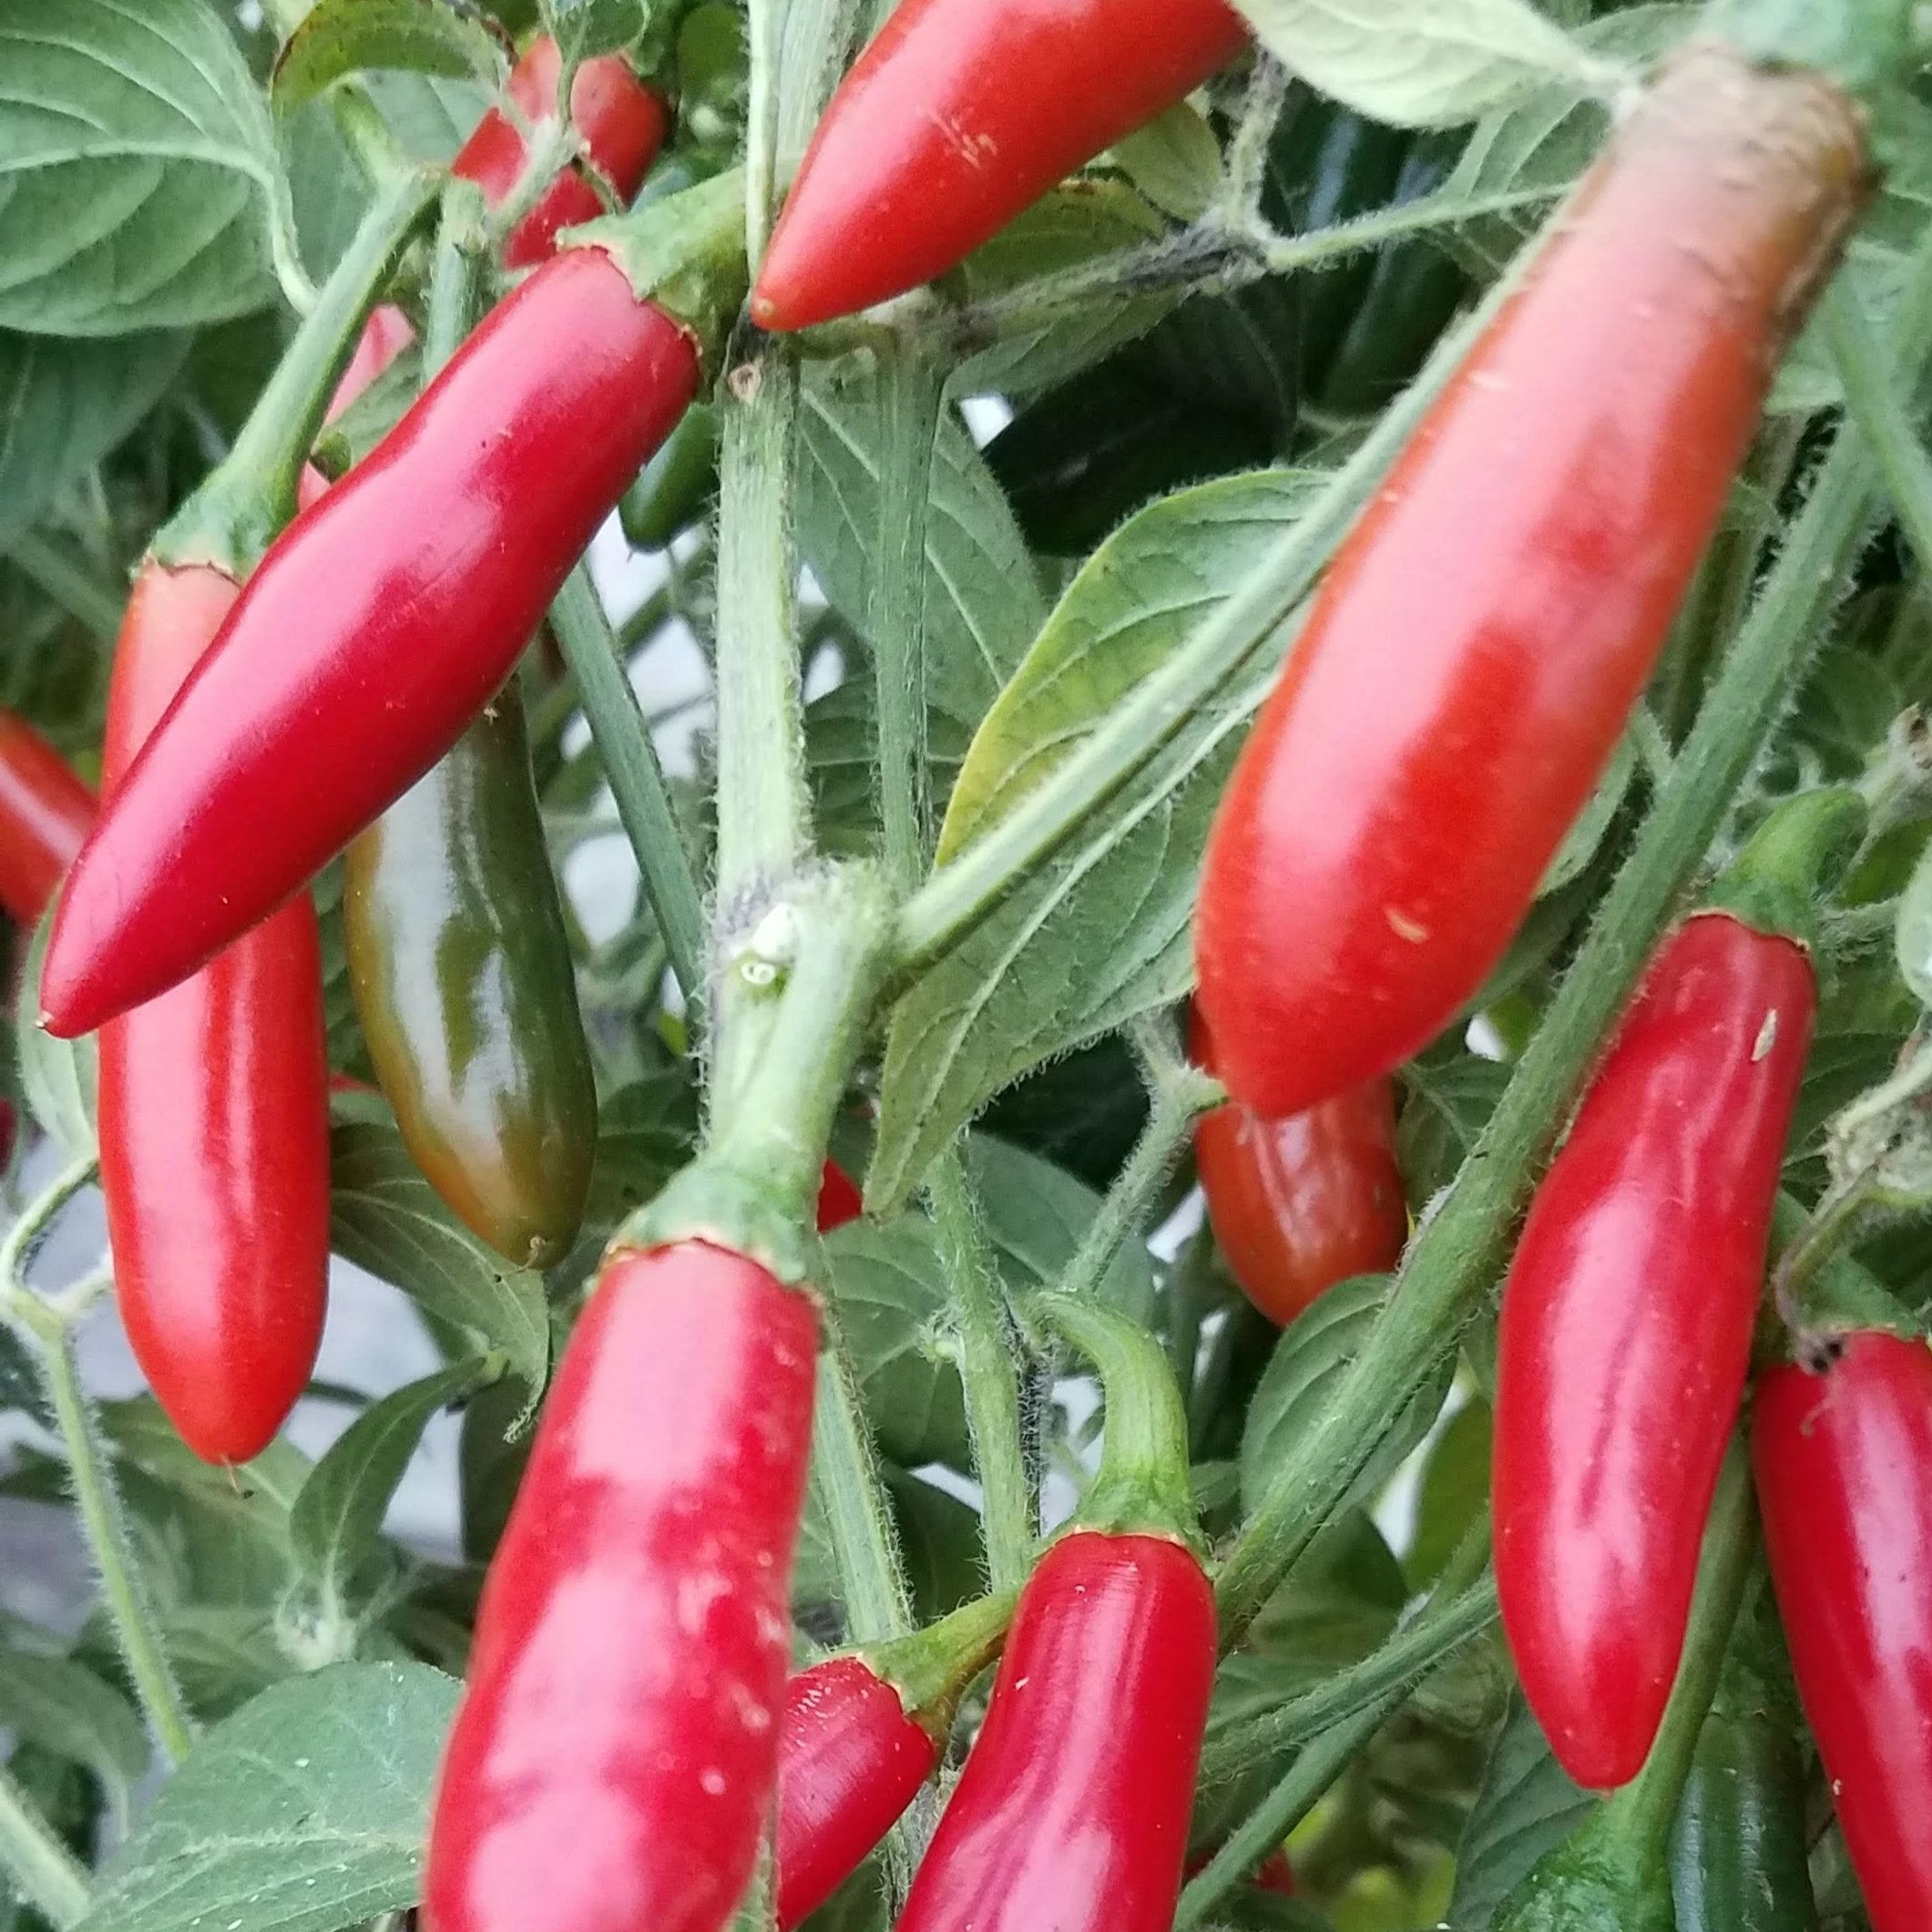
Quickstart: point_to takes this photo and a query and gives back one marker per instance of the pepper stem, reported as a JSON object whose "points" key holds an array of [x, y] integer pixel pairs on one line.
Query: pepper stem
{"points": [[246, 500], [1142, 1484], [1795, 858], [933, 1669]]}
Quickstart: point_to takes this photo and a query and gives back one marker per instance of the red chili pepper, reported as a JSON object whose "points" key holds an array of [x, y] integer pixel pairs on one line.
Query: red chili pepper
{"points": [[380, 622], [839, 1199], [612, 1762], [1072, 1811], [960, 115], [1300, 1205], [1843, 1464], [860, 1734], [45, 814], [850, 1760], [214, 1122], [622, 124], [1479, 640], [621, 121], [1626, 1334]]}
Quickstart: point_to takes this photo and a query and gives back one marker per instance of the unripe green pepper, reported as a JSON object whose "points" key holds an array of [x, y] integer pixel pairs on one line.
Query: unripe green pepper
{"points": [[673, 489], [460, 963], [1737, 1850]]}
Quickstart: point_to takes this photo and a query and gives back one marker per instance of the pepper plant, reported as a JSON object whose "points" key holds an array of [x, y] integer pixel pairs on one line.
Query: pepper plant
{"points": [[1129, 1230]]}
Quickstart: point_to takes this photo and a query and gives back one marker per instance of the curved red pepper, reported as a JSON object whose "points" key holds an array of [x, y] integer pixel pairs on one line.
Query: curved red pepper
{"points": [[1479, 640], [1843, 1466], [960, 115], [850, 1761], [380, 622], [612, 1762], [214, 1114], [45, 814], [1626, 1334], [1300, 1205], [1072, 1811]]}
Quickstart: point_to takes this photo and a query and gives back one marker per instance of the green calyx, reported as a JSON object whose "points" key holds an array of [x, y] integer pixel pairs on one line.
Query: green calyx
{"points": [[1795, 858], [1142, 1486], [684, 253], [933, 1669], [251, 496]]}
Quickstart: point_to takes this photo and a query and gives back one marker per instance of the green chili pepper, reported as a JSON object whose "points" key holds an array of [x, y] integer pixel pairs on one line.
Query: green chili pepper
{"points": [[676, 487], [460, 964]]}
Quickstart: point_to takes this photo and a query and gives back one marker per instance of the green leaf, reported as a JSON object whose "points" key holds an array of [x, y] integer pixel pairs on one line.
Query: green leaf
{"points": [[387, 1219], [1312, 1354], [645, 1131], [840, 737], [983, 604], [1173, 159], [65, 404], [1527, 1806], [1915, 931], [340, 38], [1543, 143], [1100, 933], [336, 1524], [1079, 222], [888, 1285], [224, 1532], [582, 28], [939, 1541], [304, 1812], [492, 1448], [136, 157], [1035, 1215], [59, 1078], [1455, 1487], [1447, 1096], [1425, 63], [63, 1707]]}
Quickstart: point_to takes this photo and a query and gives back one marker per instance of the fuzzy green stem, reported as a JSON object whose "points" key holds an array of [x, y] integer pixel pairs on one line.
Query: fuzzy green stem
{"points": [[46, 1872], [1637, 1819], [239, 511], [1453, 1617], [1142, 1481], [102, 1515], [1181, 1095], [933, 1669], [76, 588], [909, 389], [1361, 1701], [1879, 411], [846, 1469], [1457, 1257], [459, 276], [763, 811], [968, 887], [635, 778], [990, 1347]]}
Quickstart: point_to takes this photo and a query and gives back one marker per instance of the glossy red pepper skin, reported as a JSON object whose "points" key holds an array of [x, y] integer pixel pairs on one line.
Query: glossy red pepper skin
{"points": [[214, 1114], [850, 1761], [1843, 1467], [1478, 642], [1300, 1205], [839, 1199], [379, 624], [612, 1763], [959, 116], [1626, 1334], [1072, 1811], [45, 814]]}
